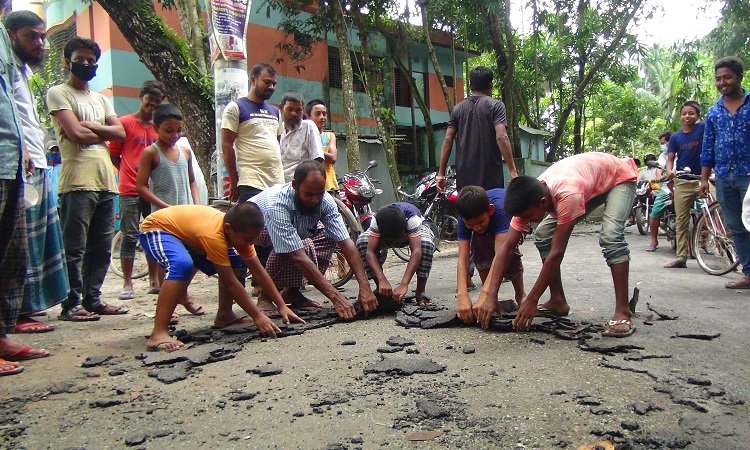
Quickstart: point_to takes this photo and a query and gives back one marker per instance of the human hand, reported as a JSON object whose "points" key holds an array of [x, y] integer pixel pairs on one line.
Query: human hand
{"points": [[513, 174], [464, 309], [384, 288], [704, 188], [266, 326], [287, 315], [368, 301], [234, 193], [670, 175], [400, 292], [525, 315], [441, 184], [484, 308], [343, 308]]}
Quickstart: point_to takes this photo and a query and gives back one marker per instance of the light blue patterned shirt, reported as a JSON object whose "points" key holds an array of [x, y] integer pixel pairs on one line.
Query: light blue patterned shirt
{"points": [[287, 227], [726, 140], [11, 136]]}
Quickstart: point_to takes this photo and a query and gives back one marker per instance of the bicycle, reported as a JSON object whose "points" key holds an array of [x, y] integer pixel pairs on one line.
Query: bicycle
{"points": [[712, 240], [140, 263]]}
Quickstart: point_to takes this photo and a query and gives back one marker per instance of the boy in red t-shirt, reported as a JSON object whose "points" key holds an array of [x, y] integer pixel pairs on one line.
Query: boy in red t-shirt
{"points": [[126, 155]]}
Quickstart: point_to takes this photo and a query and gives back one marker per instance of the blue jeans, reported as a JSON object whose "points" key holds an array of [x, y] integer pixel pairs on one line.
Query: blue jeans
{"points": [[618, 203], [730, 191], [88, 225]]}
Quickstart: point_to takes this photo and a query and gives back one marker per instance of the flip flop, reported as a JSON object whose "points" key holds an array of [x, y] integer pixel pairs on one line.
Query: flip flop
{"points": [[236, 321], [544, 312], [77, 314], [14, 371], [425, 301], [126, 294], [159, 347], [652, 248], [26, 353], [104, 309], [608, 332], [29, 325]]}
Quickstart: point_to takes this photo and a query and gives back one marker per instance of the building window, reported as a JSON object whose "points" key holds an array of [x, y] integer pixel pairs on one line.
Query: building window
{"points": [[407, 153], [335, 75], [57, 40], [401, 89]]}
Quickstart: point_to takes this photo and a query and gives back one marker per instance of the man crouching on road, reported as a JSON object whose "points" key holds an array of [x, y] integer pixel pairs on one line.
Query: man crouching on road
{"points": [[303, 226]]}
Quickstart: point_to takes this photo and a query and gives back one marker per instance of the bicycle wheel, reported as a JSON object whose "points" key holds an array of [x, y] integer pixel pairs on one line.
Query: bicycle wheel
{"points": [[140, 263], [339, 272], [403, 253], [713, 244]]}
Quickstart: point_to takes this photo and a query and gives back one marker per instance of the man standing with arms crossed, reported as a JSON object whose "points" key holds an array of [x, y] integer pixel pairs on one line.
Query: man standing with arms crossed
{"points": [[250, 128], [726, 149]]}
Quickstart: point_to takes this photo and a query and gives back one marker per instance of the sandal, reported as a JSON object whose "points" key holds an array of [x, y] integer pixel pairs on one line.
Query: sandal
{"points": [[29, 325], [25, 353], [9, 368], [652, 248], [126, 294], [104, 309], [609, 332], [77, 314], [162, 346]]}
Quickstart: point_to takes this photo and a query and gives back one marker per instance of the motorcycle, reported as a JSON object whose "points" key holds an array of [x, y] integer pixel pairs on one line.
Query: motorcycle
{"points": [[644, 200], [438, 209]]}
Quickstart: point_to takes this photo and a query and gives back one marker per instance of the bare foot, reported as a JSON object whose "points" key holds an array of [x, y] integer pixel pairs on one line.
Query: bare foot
{"points": [[9, 368], [233, 319], [296, 299], [193, 306], [558, 306]]}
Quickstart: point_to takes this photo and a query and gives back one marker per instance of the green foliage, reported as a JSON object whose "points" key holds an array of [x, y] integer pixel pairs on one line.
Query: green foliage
{"points": [[732, 34]]}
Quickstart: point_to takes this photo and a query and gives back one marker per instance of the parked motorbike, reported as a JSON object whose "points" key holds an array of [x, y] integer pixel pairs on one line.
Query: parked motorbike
{"points": [[438, 209], [644, 200]]}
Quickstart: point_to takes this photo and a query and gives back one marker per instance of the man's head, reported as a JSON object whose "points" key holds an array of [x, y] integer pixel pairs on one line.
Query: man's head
{"points": [[81, 56], [151, 95], [317, 112], [526, 197], [475, 209], [664, 139], [292, 109], [309, 185], [480, 79], [168, 123], [728, 73], [243, 223], [262, 81], [53, 153], [649, 157], [27, 34], [391, 223]]}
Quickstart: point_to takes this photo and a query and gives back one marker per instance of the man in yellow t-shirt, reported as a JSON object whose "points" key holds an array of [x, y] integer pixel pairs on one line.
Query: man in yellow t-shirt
{"points": [[187, 237], [83, 121]]}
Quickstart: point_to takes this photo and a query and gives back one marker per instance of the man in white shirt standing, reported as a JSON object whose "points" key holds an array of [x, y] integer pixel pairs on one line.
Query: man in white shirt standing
{"points": [[301, 138]]}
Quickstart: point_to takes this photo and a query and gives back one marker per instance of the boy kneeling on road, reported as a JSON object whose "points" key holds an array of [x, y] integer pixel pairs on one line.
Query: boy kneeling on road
{"points": [[398, 225], [482, 230], [188, 237]]}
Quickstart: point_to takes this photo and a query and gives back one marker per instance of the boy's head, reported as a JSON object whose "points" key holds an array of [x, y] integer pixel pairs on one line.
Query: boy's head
{"points": [[664, 138], [391, 222], [243, 223], [168, 123], [526, 197], [151, 95], [81, 56], [475, 209], [317, 112]]}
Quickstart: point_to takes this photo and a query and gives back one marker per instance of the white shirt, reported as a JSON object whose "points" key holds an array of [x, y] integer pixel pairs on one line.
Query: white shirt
{"points": [[33, 132], [299, 144]]}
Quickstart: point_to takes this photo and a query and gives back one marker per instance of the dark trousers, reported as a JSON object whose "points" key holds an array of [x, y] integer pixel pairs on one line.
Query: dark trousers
{"points": [[88, 225], [13, 254]]}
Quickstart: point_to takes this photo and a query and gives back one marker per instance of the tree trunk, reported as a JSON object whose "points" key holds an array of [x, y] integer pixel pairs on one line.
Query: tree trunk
{"points": [[165, 54], [374, 83], [190, 24], [584, 82], [347, 87], [433, 55]]}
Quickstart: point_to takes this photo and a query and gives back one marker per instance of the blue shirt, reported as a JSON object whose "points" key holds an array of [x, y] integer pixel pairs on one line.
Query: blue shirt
{"points": [[687, 146], [726, 142], [287, 227], [499, 222], [11, 135]]}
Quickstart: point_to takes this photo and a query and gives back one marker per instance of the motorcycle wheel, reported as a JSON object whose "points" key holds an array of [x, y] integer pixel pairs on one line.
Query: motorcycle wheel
{"points": [[641, 221], [449, 228], [339, 271], [403, 253]]}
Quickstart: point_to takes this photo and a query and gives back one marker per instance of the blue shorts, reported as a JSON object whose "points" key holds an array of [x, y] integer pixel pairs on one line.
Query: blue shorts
{"points": [[177, 259]]}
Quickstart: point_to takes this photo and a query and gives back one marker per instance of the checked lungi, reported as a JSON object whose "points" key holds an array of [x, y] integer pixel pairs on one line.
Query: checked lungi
{"points": [[13, 253], [427, 239], [46, 275], [282, 270]]}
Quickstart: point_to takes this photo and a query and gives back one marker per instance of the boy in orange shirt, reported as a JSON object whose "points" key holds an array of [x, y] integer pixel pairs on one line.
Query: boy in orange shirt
{"points": [[181, 238]]}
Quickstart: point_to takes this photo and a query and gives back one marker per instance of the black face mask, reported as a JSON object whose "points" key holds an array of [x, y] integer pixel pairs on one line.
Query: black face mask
{"points": [[85, 72]]}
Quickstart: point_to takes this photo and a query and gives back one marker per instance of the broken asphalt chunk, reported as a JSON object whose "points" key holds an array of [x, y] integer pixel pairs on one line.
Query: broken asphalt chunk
{"points": [[405, 366], [663, 313], [702, 336], [265, 371], [399, 341]]}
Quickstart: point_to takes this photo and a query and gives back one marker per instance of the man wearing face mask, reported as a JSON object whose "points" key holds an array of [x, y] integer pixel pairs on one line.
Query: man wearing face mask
{"points": [[301, 138], [300, 248], [250, 128], [46, 277], [84, 120]]}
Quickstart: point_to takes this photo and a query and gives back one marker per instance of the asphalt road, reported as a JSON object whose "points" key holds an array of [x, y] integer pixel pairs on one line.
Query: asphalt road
{"points": [[515, 390]]}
